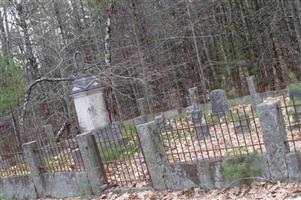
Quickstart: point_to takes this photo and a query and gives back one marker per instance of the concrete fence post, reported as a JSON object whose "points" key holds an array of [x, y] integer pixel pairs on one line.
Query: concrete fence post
{"points": [[274, 135], [162, 173], [35, 166], [153, 152], [92, 162]]}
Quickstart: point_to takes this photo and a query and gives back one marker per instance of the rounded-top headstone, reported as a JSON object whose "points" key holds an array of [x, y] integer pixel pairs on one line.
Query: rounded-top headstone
{"points": [[219, 102]]}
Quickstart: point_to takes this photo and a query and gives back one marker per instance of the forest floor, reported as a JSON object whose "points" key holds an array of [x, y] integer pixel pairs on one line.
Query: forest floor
{"points": [[256, 190]]}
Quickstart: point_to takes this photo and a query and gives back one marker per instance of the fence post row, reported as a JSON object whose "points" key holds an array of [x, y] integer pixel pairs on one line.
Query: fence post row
{"points": [[165, 175], [274, 135]]}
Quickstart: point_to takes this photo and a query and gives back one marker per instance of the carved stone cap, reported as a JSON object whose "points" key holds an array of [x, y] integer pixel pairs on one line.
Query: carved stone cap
{"points": [[86, 83]]}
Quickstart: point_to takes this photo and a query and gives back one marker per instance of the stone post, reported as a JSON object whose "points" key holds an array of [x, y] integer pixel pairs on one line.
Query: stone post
{"points": [[274, 135], [256, 99], [141, 108], [35, 166], [92, 162], [49, 134], [193, 95], [154, 153], [163, 174]]}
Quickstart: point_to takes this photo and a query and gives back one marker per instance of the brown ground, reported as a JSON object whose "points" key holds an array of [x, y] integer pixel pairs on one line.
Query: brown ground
{"points": [[257, 190]]}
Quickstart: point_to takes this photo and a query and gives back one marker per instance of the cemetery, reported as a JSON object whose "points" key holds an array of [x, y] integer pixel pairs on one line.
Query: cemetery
{"points": [[200, 145], [150, 99]]}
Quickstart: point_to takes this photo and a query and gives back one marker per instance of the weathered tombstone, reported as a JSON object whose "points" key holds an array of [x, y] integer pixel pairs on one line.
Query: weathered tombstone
{"points": [[162, 123], [51, 148], [49, 134], [89, 100], [141, 108], [256, 99], [242, 123], [193, 95], [219, 104], [2, 162], [294, 91], [195, 113]]}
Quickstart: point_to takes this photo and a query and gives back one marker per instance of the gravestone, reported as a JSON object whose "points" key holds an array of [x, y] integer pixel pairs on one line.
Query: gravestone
{"points": [[193, 95], [89, 100], [219, 104], [256, 99], [162, 123], [51, 147], [242, 124], [49, 134], [142, 109], [194, 115], [194, 112], [294, 91]]}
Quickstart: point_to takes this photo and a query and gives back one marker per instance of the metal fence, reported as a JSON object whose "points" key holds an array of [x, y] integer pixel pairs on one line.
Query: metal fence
{"points": [[13, 164], [122, 157], [291, 109], [64, 156], [12, 161], [212, 136]]}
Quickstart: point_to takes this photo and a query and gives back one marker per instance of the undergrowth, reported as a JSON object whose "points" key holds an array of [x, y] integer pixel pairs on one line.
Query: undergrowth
{"points": [[239, 168]]}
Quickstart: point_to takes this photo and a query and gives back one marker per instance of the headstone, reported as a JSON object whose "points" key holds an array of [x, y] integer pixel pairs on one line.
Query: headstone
{"points": [[256, 99], [2, 162], [193, 95], [162, 123], [141, 107], [89, 100], [242, 124], [219, 102], [194, 115], [51, 148], [294, 91], [49, 134]]}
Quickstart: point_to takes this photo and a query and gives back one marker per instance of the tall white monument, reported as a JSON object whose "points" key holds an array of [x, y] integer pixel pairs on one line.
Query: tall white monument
{"points": [[89, 101]]}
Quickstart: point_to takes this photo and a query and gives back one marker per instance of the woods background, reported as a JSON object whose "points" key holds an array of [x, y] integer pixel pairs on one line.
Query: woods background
{"points": [[155, 49]]}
